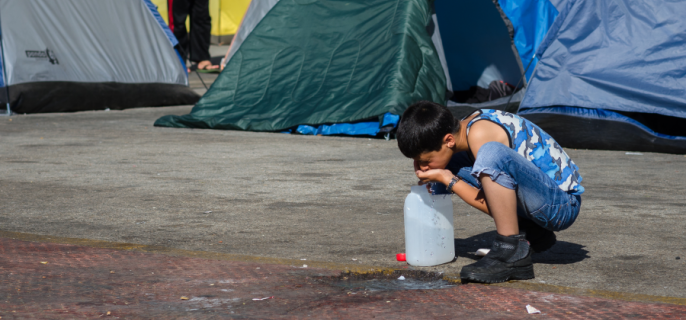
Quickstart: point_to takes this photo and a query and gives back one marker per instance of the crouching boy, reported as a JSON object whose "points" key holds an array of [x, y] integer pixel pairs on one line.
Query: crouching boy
{"points": [[503, 165]]}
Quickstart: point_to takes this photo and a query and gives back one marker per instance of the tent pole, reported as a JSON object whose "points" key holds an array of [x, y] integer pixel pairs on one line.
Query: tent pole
{"points": [[4, 74], [203, 82], [507, 106]]}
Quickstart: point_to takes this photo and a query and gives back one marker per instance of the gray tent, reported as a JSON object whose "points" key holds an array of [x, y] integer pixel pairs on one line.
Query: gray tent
{"points": [[72, 55]]}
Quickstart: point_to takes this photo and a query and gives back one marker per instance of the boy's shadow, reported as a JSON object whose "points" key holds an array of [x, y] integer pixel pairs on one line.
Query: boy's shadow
{"points": [[562, 252]]}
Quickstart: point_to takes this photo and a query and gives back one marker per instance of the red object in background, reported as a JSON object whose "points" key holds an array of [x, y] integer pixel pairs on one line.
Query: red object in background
{"points": [[400, 257], [170, 17]]}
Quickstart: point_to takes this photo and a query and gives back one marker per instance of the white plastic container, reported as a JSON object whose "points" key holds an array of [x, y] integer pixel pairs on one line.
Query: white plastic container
{"points": [[429, 233]]}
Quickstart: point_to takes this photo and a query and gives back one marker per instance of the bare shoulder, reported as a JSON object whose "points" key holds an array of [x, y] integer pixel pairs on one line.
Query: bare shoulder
{"points": [[484, 131]]}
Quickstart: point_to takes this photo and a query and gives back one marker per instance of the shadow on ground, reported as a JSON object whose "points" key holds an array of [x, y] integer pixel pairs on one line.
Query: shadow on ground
{"points": [[562, 252]]}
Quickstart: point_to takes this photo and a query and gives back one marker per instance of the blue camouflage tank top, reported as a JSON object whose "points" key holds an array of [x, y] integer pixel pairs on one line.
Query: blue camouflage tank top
{"points": [[534, 144]]}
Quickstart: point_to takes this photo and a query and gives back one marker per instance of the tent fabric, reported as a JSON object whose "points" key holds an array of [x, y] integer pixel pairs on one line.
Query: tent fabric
{"points": [[2, 62], [359, 129], [263, 87], [558, 4], [351, 61], [531, 20], [368, 128], [478, 48], [72, 55], [599, 114], [620, 55], [508, 103], [574, 127], [170, 35], [353, 129], [2, 67], [86, 46], [153, 10], [68, 96], [438, 44], [257, 10]]}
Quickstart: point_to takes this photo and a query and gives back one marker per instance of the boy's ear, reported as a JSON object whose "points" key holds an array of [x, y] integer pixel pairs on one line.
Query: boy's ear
{"points": [[449, 140]]}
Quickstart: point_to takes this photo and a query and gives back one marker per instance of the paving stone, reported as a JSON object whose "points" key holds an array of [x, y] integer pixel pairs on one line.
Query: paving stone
{"points": [[58, 281]]}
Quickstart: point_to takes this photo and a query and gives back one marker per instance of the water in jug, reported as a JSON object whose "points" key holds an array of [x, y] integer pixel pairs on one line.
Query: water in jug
{"points": [[429, 233]]}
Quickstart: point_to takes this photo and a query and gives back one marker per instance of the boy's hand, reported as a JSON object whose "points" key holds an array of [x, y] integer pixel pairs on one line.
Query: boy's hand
{"points": [[434, 175]]}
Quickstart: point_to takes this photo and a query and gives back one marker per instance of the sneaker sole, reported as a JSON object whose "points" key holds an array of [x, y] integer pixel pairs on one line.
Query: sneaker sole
{"points": [[518, 273]]}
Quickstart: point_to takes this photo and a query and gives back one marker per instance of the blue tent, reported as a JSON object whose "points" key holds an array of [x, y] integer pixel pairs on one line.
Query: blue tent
{"points": [[612, 75], [485, 41]]}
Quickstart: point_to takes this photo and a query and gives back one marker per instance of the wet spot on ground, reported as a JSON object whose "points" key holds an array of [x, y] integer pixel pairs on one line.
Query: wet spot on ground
{"points": [[389, 281]]}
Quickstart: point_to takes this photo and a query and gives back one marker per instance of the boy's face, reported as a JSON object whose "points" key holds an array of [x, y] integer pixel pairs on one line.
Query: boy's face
{"points": [[434, 159]]}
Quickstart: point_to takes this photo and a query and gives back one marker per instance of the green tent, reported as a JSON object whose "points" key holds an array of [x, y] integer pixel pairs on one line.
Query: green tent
{"points": [[314, 62]]}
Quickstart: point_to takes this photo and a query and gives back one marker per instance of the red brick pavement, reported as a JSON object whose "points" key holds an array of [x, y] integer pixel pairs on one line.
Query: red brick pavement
{"points": [[84, 282]]}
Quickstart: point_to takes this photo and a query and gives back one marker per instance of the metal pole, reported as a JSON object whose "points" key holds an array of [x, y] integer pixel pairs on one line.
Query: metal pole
{"points": [[4, 73], [203, 82], [507, 106]]}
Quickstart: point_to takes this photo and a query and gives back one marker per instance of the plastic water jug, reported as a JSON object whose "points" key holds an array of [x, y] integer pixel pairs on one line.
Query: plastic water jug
{"points": [[429, 233]]}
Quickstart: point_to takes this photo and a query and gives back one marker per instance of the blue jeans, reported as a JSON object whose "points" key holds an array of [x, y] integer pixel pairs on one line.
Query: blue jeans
{"points": [[538, 197]]}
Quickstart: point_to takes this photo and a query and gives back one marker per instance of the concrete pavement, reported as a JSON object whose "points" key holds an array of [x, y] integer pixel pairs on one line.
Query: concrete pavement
{"points": [[111, 175]]}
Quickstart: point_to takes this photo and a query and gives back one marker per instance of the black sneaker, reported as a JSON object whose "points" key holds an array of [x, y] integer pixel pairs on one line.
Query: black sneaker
{"points": [[540, 239], [509, 259]]}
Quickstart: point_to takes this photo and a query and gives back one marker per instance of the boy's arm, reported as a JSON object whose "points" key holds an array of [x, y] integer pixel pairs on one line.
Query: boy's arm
{"points": [[466, 192], [472, 196], [480, 133]]}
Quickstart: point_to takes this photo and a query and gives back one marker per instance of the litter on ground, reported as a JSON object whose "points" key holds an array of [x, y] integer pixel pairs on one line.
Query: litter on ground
{"points": [[482, 252], [260, 299], [532, 310]]}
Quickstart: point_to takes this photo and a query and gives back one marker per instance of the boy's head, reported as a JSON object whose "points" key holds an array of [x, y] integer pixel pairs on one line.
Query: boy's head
{"points": [[422, 133]]}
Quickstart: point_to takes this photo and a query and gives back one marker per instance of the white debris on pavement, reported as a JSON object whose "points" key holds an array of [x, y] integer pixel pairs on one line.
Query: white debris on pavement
{"points": [[260, 299], [401, 278], [532, 310], [482, 252]]}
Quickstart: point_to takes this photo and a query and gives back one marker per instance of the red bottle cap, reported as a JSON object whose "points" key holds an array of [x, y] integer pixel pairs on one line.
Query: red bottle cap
{"points": [[400, 257]]}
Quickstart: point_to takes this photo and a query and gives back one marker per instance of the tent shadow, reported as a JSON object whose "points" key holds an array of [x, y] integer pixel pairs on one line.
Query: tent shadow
{"points": [[562, 252]]}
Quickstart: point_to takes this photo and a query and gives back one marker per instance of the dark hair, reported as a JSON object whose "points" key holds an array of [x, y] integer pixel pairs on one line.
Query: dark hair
{"points": [[423, 126]]}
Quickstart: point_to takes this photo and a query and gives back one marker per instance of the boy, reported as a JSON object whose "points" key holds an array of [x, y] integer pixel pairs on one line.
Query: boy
{"points": [[503, 165]]}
